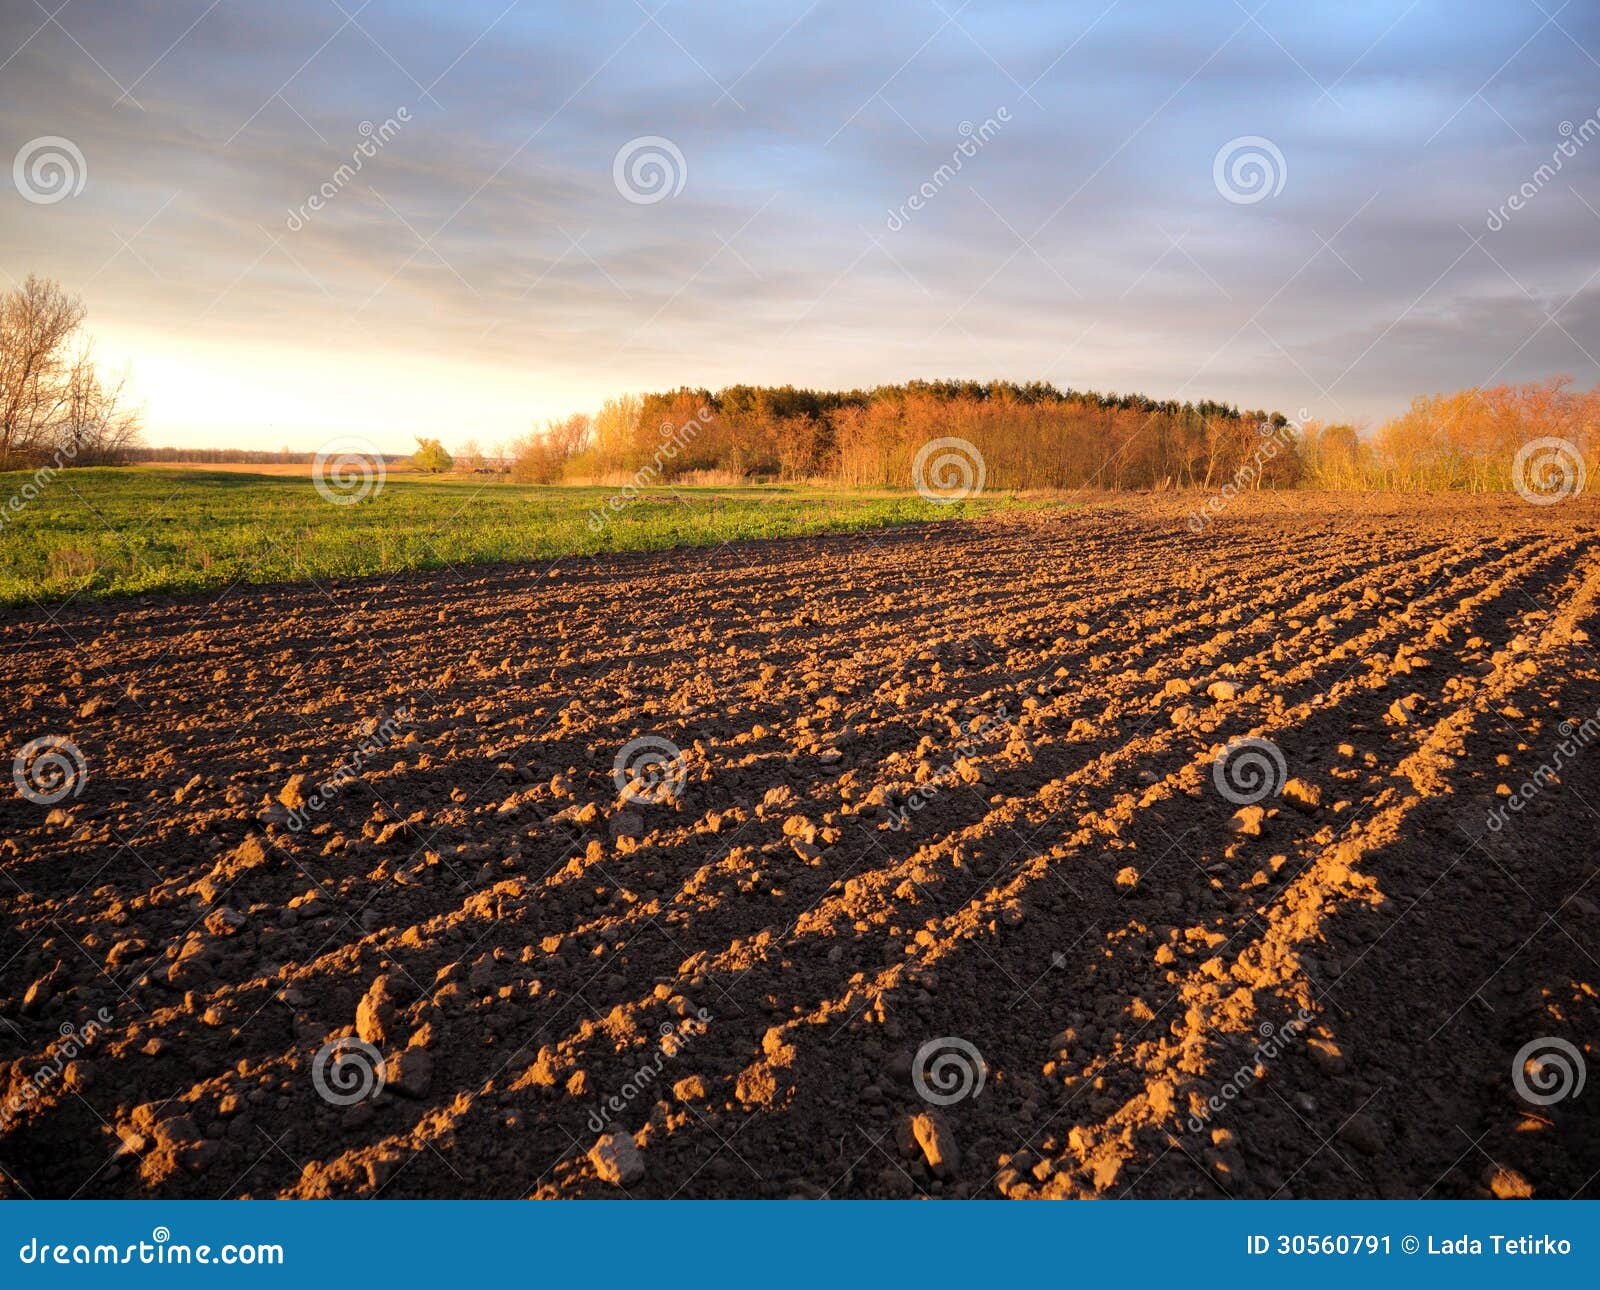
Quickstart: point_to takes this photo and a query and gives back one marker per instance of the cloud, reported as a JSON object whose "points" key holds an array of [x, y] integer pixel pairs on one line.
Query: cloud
{"points": [[1086, 241]]}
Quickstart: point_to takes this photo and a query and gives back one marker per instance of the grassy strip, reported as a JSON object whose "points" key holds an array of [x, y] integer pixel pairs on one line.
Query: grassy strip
{"points": [[116, 532]]}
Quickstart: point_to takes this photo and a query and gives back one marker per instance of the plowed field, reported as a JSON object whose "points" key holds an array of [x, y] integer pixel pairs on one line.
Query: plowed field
{"points": [[1050, 854]]}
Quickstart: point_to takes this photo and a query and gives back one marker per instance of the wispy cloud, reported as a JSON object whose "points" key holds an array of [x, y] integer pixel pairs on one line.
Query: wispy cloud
{"points": [[486, 243]]}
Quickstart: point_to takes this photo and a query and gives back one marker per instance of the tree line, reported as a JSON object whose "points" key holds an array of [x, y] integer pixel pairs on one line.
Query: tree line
{"points": [[1028, 435], [58, 410], [1035, 436], [1483, 440]]}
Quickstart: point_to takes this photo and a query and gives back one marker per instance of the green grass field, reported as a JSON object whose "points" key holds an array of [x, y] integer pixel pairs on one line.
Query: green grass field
{"points": [[125, 531]]}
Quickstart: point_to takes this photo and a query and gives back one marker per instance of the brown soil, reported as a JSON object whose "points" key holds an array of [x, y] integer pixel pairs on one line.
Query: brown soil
{"points": [[937, 783]]}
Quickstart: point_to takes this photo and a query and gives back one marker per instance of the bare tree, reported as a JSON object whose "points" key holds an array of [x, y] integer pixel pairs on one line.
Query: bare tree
{"points": [[98, 424], [38, 322], [52, 398]]}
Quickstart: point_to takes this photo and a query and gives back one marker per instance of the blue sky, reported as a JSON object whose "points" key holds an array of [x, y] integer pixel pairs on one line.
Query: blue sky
{"points": [[484, 269]]}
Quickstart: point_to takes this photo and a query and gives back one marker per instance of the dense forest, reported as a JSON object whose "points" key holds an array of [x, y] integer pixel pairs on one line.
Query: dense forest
{"points": [[1028, 436], [1036, 436]]}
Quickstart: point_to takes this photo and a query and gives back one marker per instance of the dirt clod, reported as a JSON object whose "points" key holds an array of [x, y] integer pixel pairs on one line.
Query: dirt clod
{"points": [[617, 1160]]}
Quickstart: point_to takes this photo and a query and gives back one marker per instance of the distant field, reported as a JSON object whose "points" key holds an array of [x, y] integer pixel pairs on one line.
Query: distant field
{"points": [[110, 531], [293, 469]]}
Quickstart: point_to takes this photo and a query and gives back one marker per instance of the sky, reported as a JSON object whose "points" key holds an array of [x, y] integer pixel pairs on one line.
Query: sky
{"points": [[1281, 205]]}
